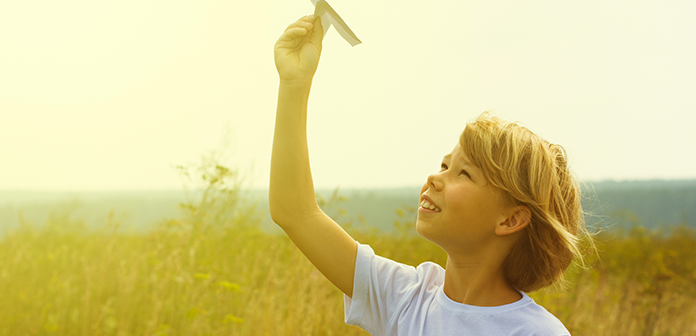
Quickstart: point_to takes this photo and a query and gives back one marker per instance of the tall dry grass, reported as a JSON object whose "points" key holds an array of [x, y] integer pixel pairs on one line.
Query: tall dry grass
{"points": [[212, 271]]}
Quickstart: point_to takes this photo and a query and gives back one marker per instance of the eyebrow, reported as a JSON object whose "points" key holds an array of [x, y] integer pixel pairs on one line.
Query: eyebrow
{"points": [[466, 163]]}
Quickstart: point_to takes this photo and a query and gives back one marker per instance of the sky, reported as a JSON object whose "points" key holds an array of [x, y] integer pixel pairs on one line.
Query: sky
{"points": [[112, 95]]}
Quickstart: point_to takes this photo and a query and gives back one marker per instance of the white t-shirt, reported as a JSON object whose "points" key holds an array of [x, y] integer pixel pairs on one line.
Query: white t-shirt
{"points": [[390, 298]]}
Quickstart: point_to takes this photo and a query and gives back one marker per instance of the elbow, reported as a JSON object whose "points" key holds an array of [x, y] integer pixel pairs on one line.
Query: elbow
{"points": [[278, 214], [286, 214], [281, 211]]}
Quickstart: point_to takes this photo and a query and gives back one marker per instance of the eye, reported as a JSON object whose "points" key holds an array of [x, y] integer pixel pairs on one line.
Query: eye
{"points": [[463, 172], [443, 167]]}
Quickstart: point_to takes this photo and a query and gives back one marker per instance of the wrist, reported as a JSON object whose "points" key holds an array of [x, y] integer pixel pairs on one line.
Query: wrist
{"points": [[297, 84], [291, 92]]}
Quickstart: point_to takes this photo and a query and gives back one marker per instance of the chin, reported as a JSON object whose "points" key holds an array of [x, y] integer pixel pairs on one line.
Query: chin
{"points": [[430, 232], [420, 228]]}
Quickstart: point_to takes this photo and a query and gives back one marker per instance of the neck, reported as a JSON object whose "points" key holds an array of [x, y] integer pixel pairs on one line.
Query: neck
{"points": [[477, 283]]}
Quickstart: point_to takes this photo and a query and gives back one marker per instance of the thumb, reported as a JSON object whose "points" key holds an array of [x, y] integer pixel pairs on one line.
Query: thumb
{"points": [[317, 32]]}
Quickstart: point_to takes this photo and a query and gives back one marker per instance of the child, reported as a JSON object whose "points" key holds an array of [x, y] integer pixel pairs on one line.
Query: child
{"points": [[504, 206]]}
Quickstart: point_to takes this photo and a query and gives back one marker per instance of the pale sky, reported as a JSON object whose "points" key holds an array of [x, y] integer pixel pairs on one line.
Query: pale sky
{"points": [[110, 95]]}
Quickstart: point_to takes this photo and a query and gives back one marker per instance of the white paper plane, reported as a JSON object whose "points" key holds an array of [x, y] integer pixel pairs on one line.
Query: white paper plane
{"points": [[330, 17]]}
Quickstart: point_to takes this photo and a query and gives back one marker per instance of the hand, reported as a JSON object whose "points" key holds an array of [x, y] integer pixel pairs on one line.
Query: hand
{"points": [[297, 51]]}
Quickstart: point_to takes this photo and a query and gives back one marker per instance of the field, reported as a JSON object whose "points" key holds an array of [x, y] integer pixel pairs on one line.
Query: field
{"points": [[213, 271]]}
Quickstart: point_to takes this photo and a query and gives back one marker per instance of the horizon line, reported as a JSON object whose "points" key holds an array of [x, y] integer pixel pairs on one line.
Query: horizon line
{"points": [[29, 190]]}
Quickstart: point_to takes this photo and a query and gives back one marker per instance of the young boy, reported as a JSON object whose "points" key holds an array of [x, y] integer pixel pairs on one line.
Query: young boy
{"points": [[504, 206]]}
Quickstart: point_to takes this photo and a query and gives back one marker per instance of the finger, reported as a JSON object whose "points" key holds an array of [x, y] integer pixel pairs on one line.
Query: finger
{"points": [[301, 22], [317, 32], [293, 33]]}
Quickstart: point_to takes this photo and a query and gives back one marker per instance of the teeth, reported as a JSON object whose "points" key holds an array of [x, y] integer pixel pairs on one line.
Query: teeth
{"points": [[427, 205]]}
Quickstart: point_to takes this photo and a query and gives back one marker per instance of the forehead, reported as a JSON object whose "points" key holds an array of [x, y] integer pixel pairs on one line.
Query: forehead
{"points": [[458, 155]]}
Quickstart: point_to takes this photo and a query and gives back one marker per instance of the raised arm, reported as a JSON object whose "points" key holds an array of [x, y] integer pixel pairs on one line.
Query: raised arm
{"points": [[291, 193]]}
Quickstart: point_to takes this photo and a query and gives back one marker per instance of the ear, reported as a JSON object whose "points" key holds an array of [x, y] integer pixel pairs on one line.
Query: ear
{"points": [[518, 220]]}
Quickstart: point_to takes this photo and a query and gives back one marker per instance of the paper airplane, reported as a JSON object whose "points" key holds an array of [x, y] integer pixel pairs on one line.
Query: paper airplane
{"points": [[330, 17]]}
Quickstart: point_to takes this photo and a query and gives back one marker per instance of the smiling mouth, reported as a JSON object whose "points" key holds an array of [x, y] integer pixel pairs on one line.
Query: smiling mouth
{"points": [[426, 205]]}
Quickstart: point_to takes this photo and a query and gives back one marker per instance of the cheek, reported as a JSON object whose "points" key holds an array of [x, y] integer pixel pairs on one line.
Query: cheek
{"points": [[462, 209], [457, 201]]}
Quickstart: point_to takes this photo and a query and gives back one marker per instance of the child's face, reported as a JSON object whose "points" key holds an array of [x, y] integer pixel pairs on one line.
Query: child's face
{"points": [[467, 207]]}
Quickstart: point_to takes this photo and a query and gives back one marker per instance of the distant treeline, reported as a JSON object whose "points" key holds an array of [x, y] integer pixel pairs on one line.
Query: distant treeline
{"points": [[652, 204], [609, 204]]}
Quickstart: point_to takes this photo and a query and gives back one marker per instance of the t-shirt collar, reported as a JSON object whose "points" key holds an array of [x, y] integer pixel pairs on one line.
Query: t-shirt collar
{"points": [[451, 305]]}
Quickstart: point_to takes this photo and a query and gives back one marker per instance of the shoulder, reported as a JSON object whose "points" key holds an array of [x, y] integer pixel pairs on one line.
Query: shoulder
{"points": [[397, 274], [386, 292], [430, 274]]}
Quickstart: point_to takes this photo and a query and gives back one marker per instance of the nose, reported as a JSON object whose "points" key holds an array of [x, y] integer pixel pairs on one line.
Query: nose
{"points": [[435, 181]]}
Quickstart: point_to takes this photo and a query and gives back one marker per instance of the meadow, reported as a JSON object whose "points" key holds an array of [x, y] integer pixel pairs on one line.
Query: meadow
{"points": [[212, 270]]}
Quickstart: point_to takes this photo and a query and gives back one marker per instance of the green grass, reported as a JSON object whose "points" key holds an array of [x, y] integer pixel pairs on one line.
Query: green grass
{"points": [[212, 271]]}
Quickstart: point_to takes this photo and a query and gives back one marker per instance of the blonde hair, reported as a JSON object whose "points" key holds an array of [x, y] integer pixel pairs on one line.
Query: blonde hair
{"points": [[534, 173]]}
